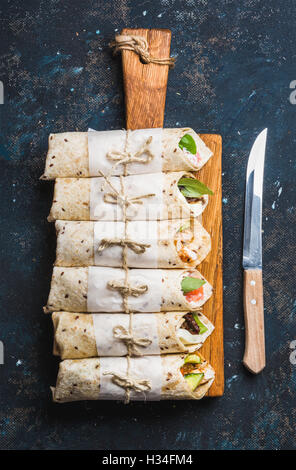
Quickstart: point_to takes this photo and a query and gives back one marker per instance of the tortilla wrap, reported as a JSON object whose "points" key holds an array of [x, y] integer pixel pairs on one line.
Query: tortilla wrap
{"points": [[82, 154], [89, 290], [171, 244], [84, 379], [84, 198], [78, 336]]}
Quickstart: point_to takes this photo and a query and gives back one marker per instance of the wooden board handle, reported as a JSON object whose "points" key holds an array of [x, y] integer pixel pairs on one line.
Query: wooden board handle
{"points": [[145, 84], [254, 357]]}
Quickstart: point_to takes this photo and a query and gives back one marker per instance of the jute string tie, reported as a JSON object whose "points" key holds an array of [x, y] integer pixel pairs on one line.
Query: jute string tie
{"points": [[129, 384], [137, 247], [139, 45], [119, 197], [143, 155], [132, 342], [126, 289]]}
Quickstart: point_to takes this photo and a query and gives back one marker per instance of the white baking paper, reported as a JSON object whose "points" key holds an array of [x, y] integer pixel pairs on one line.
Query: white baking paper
{"points": [[134, 185], [144, 367], [101, 298], [144, 326], [100, 143], [139, 231]]}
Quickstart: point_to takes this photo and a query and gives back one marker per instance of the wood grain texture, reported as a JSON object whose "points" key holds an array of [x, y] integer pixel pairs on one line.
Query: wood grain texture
{"points": [[211, 267], [145, 84], [254, 357], [145, 93]]}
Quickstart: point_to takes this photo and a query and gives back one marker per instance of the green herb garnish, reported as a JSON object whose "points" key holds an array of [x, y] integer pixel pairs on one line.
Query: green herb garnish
{"points": [[188, 143], [202, 327], [191, 187], [189, 284], [184, 227]]}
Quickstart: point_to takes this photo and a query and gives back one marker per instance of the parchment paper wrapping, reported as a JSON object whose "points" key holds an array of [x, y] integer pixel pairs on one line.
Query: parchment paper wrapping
{"points": [[82, 154], [86, 290], [83, 198], [78, 242], [78, 336], [81, 379]]}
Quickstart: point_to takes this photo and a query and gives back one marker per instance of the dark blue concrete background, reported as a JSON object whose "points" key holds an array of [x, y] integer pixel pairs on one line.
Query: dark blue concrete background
{"points": [[236, 60]]}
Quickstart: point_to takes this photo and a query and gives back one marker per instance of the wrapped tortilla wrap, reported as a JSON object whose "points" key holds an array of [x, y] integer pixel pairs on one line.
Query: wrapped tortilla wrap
{"points": [[83, 154], [97, 289], [167, 243], [153, 197], [78, 336], [166, 377]]}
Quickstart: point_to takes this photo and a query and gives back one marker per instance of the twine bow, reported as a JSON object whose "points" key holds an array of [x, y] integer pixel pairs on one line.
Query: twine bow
{"points": [[139, 45], [126, 289], [143, 155], [136, 247], [128, 383], [120, 332], [119, 197]]}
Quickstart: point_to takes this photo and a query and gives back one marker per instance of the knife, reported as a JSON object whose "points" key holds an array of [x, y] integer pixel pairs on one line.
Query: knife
{"points": [[254, 356]]}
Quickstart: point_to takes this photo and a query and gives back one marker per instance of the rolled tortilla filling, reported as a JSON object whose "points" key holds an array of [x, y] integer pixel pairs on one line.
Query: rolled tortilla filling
{"points": [[97, 289], [159, 244], [152, 196], [168, 377], [82, 154], [78, 336]]}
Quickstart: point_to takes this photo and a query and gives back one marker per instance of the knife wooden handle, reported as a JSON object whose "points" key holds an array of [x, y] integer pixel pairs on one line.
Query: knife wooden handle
{"points": [[254, 357]]}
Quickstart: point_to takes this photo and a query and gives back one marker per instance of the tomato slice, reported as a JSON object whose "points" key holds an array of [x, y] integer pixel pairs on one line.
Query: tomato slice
{"points": [[195, 295], [198, 157]]}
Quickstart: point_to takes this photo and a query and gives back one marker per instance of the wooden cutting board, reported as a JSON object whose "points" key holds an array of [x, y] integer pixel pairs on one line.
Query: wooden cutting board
{"points": [[145, 93]]}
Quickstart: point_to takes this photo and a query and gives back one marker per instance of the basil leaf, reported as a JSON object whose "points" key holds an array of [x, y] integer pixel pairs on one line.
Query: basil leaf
{"points": [[189, 193], [188, 143], [184, 227], [189, 284], [191, 187]]}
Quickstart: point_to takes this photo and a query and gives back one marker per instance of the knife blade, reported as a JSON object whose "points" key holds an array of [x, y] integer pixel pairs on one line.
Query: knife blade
{"points": [[254, 357]]}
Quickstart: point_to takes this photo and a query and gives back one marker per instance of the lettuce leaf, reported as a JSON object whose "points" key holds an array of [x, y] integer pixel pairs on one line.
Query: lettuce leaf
{"points": [[188, 143], [189, 284], [191, 187]]}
